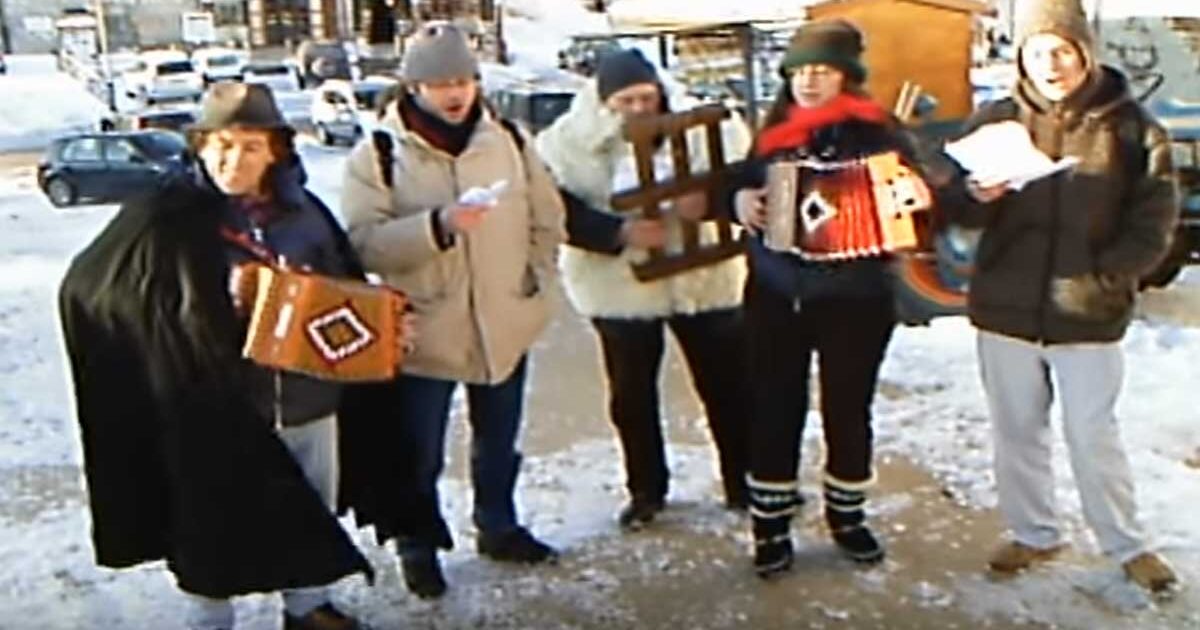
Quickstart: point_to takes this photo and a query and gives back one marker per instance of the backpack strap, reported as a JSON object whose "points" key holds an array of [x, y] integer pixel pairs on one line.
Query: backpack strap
{"points": [[384, 158]]}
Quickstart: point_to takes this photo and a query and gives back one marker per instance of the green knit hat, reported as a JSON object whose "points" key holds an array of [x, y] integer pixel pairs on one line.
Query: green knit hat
{"points": [[836, 43], [1064, 18]]}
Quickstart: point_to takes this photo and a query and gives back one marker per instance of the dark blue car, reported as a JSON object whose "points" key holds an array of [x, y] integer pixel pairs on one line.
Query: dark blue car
{"points": [[1185, 250], [108, 166]]}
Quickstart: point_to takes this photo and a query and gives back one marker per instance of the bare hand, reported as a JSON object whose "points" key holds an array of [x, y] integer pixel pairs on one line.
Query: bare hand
{"points": [[243, 287], [751, 207], [406, 335], [644, 233], [986, 192], [460, 219], [693, 207]]}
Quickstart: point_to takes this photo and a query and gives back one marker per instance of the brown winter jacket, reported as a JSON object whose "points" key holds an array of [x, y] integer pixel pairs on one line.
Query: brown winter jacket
{"points": [[1059, 261]]}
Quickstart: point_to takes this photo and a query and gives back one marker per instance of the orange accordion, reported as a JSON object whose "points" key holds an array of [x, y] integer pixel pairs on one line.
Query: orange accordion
{"points": [[843, 210], [330, 328]]}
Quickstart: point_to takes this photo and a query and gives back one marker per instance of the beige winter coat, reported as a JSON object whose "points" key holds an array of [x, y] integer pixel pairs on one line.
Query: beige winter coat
{"points": [[584, 150], [481, 303]]}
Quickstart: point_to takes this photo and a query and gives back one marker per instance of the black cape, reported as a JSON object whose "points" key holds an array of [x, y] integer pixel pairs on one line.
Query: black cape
{"points": [[179, 466]]}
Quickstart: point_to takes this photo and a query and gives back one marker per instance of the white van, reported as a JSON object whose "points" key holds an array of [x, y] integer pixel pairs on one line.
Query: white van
{"points": [[219, 64], [344, 110], [163, 75]]}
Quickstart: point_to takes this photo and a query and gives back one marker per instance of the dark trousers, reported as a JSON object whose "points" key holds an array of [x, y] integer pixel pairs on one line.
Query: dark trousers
{"points": [[849, 337], [712, 346], [495, 416]]}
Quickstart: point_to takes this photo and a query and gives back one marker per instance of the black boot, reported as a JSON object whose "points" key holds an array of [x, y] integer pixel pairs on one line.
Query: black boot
{"points": [[639, 512], [846, 519], [423, 573], [517, 545], [771, 507]]}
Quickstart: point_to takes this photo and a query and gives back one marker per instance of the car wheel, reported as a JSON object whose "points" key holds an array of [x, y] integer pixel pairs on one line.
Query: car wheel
{"points": [[60, 192]]}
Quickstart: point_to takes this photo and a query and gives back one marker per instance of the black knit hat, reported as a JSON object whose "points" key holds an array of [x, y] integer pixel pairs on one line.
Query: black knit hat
{"points": [[616, 71], [246, 105], [836, 43]]}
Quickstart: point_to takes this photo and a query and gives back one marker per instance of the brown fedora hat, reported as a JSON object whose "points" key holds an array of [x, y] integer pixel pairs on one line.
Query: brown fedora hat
{"points": [[239, 105]]}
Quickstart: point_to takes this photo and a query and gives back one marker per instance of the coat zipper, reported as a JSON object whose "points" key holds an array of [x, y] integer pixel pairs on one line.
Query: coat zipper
{"points": [[480, 330], [1055, 220]]}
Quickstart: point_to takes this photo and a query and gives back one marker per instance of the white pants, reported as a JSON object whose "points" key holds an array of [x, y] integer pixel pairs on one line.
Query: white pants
{"points": [[314, 447], [1020, 379]]}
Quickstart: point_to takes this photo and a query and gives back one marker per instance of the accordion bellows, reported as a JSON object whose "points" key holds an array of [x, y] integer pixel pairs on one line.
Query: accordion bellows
{"points": [[329, 328], [843, 210]]}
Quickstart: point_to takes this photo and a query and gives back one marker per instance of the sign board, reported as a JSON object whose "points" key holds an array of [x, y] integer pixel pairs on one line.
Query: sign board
{"points": [[39, 24], [198, 28]]}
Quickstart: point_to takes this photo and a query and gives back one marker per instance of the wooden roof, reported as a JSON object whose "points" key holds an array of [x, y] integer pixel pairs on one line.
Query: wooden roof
{"points": [[965, 6]]}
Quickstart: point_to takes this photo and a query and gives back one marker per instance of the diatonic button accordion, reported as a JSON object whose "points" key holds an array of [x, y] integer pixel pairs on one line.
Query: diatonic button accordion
{"points": [[329, 328], [843, 210]]}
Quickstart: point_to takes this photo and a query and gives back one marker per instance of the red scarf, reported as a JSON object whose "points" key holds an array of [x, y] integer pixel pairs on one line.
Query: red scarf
{"points": [[801, 122]]}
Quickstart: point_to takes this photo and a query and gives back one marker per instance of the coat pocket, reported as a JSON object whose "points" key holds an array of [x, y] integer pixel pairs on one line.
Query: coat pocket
{"points": [[1093, 297]]}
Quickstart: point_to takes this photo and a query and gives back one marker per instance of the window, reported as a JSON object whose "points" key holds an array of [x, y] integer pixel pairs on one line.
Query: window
{"points": [[82, 150], [119, 151], [174, 67], [334, 98]]}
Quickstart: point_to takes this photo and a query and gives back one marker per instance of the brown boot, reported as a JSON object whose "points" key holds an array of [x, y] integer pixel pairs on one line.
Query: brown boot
{"points": [[1151, 572], [1014, 557]]}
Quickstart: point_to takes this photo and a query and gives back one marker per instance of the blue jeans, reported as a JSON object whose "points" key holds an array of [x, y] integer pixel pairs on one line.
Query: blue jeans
{"points": [[495, 416]]}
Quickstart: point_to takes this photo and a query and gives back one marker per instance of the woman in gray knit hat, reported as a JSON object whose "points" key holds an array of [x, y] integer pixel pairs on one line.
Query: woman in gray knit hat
{"points": [[1054, 288]]}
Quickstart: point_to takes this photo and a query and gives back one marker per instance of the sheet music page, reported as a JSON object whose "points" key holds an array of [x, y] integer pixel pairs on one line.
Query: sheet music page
{"points": [[1004, 152]]}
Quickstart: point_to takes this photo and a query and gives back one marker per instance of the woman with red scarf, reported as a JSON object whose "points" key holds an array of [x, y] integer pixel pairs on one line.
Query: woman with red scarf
{"points": [[841, 310]]}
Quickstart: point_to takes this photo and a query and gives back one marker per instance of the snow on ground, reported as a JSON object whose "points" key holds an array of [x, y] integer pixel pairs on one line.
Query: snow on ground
{"points": [[930, 409], [37, 104]]}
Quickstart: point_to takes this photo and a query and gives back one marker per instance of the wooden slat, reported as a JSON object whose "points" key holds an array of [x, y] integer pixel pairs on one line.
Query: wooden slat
{"points": [[664, 267], [668, 189], [683, 169], [647, 128]]}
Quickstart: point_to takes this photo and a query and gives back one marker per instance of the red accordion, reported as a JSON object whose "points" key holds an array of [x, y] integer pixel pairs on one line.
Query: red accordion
{"points": [[843, 210], [330, 328]]}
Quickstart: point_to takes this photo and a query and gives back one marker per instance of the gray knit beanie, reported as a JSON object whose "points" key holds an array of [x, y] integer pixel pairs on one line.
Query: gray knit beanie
{"points": [[439, 51], [1064, 18]]}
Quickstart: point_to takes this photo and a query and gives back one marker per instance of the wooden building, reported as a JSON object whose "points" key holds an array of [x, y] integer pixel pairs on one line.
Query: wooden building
{"points": [[927, 42]]}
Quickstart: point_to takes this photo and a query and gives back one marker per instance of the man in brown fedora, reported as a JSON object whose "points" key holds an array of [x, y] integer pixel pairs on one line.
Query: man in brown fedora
{"points": [[194, 455]]}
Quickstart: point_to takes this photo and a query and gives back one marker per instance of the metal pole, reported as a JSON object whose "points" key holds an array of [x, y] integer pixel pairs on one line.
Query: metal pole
{"points": [[105, 64]]}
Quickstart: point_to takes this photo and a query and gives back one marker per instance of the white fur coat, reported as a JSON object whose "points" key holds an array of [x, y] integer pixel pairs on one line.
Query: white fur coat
{"points": [[586, 154]]}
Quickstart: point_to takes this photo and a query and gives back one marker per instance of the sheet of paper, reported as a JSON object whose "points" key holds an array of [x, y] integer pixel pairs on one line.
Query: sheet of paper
{"points": [[1004, 152]]}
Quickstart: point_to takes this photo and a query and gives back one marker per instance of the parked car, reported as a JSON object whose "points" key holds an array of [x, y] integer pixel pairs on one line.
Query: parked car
{"points": [[342, 110], [533, 106], [168, 118], [108, 167], [1185, 249], [321, 61], [219, 64], [164, 75], [277, 76]]}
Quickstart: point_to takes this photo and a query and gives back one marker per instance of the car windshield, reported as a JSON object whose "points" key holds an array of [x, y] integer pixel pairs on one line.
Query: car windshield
{"points": [[160, 144], [223, 61], [367, 94], [174, 67]]}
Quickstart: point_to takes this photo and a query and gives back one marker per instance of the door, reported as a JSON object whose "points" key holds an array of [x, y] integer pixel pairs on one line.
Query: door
{"points": [[129, 172], [83, 166]]}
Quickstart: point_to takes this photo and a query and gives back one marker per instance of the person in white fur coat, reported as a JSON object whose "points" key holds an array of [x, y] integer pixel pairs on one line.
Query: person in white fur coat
{"points": [[585, 151]]}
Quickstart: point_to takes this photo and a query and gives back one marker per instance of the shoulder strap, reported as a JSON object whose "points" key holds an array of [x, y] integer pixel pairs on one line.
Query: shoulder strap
{"points": [[382, 142], [515, 132]]}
